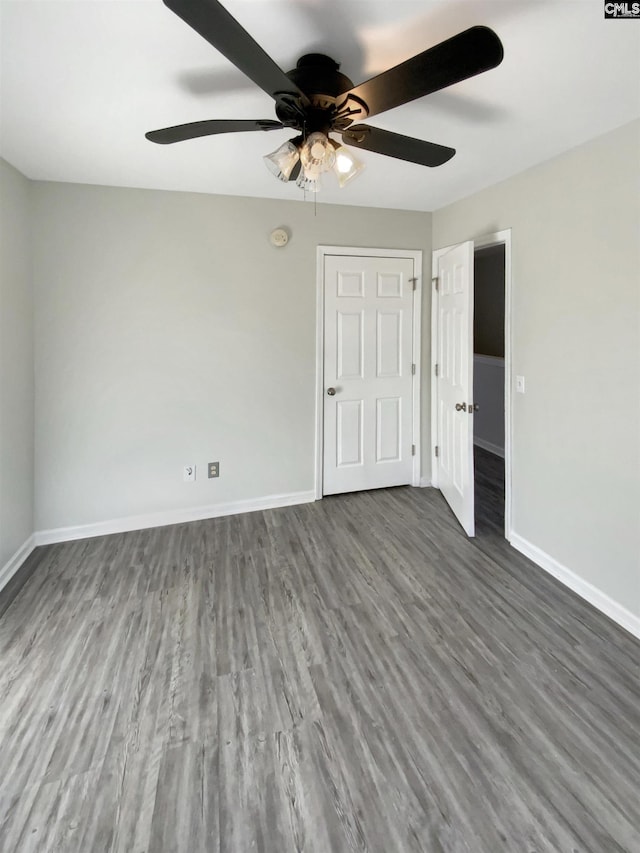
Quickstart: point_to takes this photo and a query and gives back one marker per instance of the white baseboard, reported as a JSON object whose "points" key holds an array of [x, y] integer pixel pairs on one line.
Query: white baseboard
{"points": [[11, 567], [487, 445], [583, 588], [177, 516], [425, 482]]}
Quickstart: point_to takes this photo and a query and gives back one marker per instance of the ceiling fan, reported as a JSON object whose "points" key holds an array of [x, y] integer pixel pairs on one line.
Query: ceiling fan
{"points": [[315, 99]]}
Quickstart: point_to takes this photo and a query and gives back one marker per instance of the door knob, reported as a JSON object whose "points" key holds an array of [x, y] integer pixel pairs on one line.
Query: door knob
{"points": [[331, 392], [473, 407], [461, 407]]}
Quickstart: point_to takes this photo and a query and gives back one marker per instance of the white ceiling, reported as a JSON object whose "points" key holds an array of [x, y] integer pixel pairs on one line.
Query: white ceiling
{"points": [[82, 80]]}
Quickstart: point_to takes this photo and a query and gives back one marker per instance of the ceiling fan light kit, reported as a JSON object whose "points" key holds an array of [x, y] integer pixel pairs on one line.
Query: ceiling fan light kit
{"points": [[329, 156], [316, 99]]}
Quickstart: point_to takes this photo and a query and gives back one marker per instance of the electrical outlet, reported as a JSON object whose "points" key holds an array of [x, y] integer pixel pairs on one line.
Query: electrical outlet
{"points": [[520, 384], [189, 473], [214, 469]]}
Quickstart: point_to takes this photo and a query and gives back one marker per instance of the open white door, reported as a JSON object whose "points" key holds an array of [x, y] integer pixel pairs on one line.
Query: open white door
{"points": [[455, 382]]}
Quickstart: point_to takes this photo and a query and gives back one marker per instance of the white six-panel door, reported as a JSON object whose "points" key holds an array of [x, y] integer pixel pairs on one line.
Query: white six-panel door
{"points": [[368, 383], [455, 383]]}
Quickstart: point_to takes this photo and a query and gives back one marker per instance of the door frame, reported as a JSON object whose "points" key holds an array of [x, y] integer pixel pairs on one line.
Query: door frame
{"points": [[495, 239], [358, 251]]}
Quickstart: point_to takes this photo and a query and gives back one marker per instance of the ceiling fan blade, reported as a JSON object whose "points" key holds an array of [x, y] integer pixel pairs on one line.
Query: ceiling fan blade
{"points": [[396, 145], [469, 53], [212, 21], [180, 132]]}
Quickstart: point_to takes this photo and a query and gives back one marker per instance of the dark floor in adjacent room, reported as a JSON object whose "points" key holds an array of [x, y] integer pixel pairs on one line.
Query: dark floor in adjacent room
{"points": [[348, 675], [489, 493]]}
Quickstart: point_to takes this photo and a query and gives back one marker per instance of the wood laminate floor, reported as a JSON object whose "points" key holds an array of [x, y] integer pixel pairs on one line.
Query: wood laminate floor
{"points": [[348, 675]]}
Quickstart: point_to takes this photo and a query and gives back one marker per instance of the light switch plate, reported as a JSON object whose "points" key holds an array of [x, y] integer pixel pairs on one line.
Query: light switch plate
{"points": [[189, 473]]}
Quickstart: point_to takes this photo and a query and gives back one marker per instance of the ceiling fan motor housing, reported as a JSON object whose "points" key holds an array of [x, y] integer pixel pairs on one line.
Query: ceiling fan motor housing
{"points": [[318, 76]]}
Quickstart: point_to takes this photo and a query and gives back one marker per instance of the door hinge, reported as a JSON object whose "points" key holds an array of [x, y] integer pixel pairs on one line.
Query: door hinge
{"points": [[435, 282], [414, 283], [437, 450], [413, 370], [413, 450], [436, 371]]}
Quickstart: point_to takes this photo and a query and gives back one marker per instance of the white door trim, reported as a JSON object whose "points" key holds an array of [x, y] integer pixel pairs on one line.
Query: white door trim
{"points": [[497, 238], [358, 251]]}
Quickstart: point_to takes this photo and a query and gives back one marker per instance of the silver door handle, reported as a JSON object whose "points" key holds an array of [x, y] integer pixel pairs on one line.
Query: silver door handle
{"points": [[461, 407], [331, 392]]}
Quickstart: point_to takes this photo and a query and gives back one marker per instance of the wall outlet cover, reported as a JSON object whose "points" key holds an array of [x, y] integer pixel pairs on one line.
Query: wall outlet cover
{"points": [[213, 469], [189, 473]]}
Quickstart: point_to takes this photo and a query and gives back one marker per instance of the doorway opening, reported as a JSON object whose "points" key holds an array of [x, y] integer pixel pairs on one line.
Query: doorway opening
{"points": [[489, 387]]}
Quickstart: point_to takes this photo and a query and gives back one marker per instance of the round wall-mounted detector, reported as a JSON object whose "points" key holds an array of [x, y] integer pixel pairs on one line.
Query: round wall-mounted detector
{"points": [[279, 237]]}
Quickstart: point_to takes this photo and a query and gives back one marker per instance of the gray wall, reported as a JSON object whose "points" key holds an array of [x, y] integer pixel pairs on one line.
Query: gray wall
{"points": [[488, 393], [488, 301], [575, 224], [169, 331], [16, 365]]}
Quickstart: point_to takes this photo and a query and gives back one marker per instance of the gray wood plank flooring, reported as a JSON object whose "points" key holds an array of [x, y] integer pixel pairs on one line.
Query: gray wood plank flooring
{"points": [[349, 675]]}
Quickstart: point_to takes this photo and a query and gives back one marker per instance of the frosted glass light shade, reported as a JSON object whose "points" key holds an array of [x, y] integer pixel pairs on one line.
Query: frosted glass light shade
{"points": [[281, 161], [347, 166], [317, 154], [310, 183]]}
